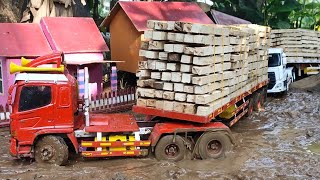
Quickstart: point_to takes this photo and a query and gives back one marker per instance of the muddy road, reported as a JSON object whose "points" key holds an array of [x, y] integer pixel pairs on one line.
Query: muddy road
{"points": [[281, 142]]}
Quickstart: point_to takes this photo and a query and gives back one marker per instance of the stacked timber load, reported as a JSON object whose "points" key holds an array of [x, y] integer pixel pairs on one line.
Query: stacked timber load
{"points": [[300, 45], [197, 68]]}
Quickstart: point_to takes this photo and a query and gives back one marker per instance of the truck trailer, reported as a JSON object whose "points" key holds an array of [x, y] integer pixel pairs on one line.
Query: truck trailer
{"points": [[48, 123]]}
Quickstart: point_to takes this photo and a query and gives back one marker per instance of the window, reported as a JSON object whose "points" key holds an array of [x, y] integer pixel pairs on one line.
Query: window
{"points": [[33, 97], [1, 81], [274, 60]]}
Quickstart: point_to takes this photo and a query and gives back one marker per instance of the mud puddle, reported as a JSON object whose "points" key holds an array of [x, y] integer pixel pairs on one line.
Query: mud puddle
{"points": [[281, 142]]}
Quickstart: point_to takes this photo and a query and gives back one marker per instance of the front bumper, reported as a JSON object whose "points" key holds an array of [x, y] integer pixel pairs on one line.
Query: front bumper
{"points": [[278, 87]]}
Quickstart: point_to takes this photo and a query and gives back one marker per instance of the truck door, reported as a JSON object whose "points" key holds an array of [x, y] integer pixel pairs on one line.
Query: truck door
{"points": [[34, 109]]}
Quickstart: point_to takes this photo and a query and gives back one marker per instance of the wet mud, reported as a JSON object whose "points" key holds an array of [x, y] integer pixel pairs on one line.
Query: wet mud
{"points": [[280, 142]]}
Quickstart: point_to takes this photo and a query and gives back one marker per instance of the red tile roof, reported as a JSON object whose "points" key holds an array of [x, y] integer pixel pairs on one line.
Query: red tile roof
{"points": [[140, 12], [73, 34], [226, 19], [18, 40]]}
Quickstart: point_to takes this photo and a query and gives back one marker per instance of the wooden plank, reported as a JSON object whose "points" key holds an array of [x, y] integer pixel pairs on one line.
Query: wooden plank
{"points": [[215, 68], [174, 57], [185, 68], [168, 106], [163, 55], [201, 80], [189, 108], [159, 104], [145, 83], [168, 86], [188, 89], [186, 78], [145, 92], [207, 50], [160, 65], [178, 106], [186, 59], [158, 94], [141, 102], [178, 87], [191, 98], [176, 76], [166, 76], [211, 59], [168, 95], [180, 96], [159, 35], [173, 66], [156, 45], [178, 48], [207, 98], [143, 64], [151, 102], [155, 75], [143, 73]]}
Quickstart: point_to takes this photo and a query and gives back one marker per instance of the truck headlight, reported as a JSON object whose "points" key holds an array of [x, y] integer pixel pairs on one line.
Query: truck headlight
{"points": [[279, 85]]}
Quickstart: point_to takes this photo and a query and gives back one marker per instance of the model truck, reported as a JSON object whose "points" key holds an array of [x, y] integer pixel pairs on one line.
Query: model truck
{"points": [[47, 124], [279, 74]]}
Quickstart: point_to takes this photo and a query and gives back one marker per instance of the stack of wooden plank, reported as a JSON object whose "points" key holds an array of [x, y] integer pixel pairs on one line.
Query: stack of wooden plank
{"points": [[197, 68], [300, 45]]}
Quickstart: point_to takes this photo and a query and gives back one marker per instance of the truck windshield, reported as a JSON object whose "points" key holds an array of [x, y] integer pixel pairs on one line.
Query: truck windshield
{"points": [[274, 60]]}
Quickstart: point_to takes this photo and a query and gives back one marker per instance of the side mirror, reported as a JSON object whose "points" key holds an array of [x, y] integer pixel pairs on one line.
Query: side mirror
{"points": [[11, 88], [284, 60]]}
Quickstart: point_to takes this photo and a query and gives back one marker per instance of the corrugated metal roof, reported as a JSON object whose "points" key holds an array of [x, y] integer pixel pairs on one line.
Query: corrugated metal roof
{"points": [[140, 12], [73, 34], [18, 40], [226, 19]]}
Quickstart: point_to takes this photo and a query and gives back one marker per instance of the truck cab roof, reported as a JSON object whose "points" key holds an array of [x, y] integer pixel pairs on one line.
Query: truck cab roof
{"points": [[41, 77], [275, 50]]}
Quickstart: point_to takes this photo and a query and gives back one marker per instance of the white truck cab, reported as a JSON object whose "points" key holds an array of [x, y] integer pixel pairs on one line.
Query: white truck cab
{"points": [[280, 76]]}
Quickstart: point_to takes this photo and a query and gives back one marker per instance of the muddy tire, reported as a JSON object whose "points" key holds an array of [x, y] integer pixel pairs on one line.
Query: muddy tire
{"points": [[51, 150], [263, 97], [166, 149], [250, 108], [213, 145], [256, 99]]}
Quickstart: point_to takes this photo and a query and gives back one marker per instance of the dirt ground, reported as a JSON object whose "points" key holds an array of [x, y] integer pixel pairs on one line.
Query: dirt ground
{"points": [[281, 142]]}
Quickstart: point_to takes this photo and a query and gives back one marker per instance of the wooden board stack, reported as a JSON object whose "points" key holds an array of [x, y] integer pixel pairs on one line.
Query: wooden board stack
{"points": [[300, 45], [197, 68]]}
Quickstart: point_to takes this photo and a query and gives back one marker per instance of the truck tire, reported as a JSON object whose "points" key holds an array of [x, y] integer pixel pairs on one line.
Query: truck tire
{"points": [[167, 149], [250, 107], [213, 145], [256, 101], [51, 150]]}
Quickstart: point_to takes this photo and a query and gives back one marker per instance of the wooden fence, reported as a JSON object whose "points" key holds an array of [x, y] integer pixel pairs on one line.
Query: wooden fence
{"points": [[109, 102]]}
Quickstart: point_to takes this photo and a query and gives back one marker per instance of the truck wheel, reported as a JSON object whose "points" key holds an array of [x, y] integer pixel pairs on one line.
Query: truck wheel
{"points": [[213, 145], [250, 107], [51, 150], [256, 101], [167, 149]]}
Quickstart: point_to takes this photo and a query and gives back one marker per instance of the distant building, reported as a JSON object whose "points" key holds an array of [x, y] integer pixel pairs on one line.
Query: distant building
{"points": [[127, 22], [78, 38]]}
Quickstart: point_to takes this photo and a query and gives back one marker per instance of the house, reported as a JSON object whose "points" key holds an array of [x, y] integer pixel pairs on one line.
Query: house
{"points": [[82, 44], [78, 38], [225, 19], [128, 20], [18, 40]]}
